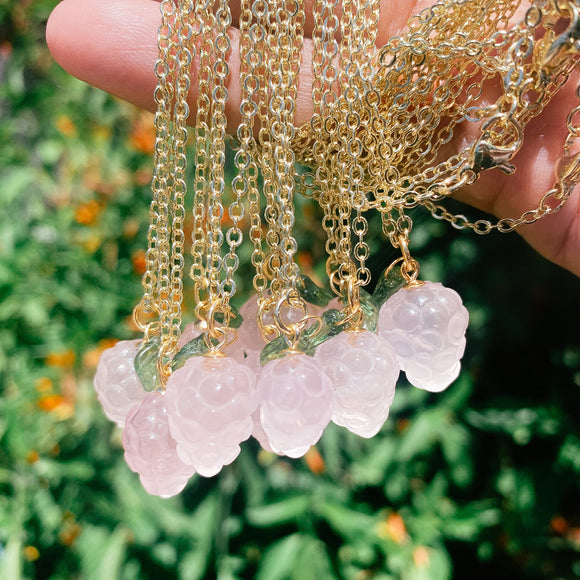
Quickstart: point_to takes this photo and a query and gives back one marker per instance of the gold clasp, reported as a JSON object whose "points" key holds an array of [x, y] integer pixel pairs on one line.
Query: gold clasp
{"points": [[566, 44]]}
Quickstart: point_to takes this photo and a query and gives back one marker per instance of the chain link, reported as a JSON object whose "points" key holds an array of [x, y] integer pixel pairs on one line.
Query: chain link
{"points": [[385, 120]]}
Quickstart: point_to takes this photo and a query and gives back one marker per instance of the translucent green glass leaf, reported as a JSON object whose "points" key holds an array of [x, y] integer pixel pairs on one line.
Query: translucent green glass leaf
{"points": [[146, 364], [311, 338], [370, 309], [273, 350], [330, 325], [388, 283], [313, 293], [195, 347], [235, 319]]}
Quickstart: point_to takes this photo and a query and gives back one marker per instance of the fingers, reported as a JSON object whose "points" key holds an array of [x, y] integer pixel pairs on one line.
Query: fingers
{"points": [[109, 44], [557, 237], [112, 45]]}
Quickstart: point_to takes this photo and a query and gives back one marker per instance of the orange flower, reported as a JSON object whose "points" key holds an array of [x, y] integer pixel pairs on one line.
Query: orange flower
{"points": [[142, 136], [5, 49], [574, 536], [59, 406], [92, 243], [102, 132], [130, 324], [559, 525], [87, 213], [266, 458], [305, 260], [70, 530], [393, 528], [43, 384], [131, 228], [31, 553], [139, 262], [62, 359], [402, 425], [66, 126], [421, 557], [32, 456], [143, 176], [91, 357], [315, 461]]}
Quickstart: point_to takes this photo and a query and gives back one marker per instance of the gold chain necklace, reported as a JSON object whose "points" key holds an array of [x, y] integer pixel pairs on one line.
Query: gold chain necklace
{"points": [[376, 141]]}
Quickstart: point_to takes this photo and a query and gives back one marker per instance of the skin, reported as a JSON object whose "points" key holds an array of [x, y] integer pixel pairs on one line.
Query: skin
{"points": [[111, 44]]}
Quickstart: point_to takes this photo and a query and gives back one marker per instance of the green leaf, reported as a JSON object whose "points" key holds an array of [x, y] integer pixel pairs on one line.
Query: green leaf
{"points": [[331, 326], [371, 468], [466, 523], [195, 347], [274, 350], [296, 557], [349, 523], [146, 364], [11, 560], [312, 562], [278, 560], [281, 512], [370, 309], [235, 319], [389, 282], [202, 524], [422, 434], [455, 440], [92, 545], [437, 566], [114, 556], [15, 182], [313, 293]]}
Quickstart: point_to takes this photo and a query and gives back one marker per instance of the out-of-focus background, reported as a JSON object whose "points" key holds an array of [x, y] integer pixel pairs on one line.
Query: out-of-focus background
{"points": [[482, 480]]}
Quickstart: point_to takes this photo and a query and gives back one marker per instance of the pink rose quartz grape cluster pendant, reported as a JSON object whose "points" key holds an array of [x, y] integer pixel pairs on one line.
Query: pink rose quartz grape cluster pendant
{"points": [[150, 449], [214, 402], [426, 324], [363, 371], [116, 382], [210, 402], [296, 356]]}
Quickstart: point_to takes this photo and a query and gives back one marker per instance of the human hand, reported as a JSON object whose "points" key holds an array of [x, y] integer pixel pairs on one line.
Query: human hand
{"points": [[112, 44]]}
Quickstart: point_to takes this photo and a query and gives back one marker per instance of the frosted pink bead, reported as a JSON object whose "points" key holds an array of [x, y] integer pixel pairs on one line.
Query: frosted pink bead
{"points": [[296, 403], [363, 370], [116, 382], [426, 326], [150, 449], [249, 335], [259, 433], [210, 402], [252, 361], [190, 332]]}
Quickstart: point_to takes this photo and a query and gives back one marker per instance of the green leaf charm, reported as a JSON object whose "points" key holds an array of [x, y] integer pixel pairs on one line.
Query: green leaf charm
{"points": [[195, 347], [390, 281], [146, 364], [313, 293], [370, 310]]}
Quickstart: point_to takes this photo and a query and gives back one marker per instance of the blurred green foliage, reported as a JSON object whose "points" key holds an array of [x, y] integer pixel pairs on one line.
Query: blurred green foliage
{"points": [[480, 481]]}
